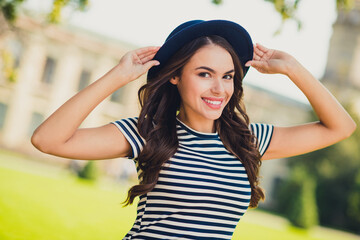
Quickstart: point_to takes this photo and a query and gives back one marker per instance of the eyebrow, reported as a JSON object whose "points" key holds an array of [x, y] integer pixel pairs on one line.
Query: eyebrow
{"points": [[212, 70]]}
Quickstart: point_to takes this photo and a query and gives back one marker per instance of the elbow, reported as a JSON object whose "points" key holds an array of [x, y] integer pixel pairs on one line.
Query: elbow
{"points": [[39, 142], [354, 126], [349, 130]]}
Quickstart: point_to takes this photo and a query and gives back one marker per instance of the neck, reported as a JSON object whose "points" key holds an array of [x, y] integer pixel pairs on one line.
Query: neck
{"points": [[198, 124]]}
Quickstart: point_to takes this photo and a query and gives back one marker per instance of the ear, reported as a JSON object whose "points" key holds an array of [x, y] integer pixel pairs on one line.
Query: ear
{"points": [[174, 80]]}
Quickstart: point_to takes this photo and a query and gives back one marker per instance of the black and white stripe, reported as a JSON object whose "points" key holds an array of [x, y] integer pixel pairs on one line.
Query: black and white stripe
{"points": [[202, 191], [263, 133]]}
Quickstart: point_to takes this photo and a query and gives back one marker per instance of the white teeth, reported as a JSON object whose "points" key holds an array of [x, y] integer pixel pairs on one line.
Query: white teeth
{"points": [[212, 102]]}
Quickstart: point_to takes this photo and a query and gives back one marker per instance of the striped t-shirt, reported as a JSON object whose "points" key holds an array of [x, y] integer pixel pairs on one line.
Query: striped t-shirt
{"points": [[202, 191]]}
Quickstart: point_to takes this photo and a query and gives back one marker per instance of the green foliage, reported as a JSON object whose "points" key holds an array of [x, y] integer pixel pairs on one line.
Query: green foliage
{"points": [[345, 4], [298, 202], [353, 202], [9, 71], [335, 170], [217, 2], [58, 5], [89, 171], [287, 9], [9, 8]]}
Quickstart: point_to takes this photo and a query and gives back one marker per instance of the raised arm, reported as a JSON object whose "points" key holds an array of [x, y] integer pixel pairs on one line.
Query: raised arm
{"points": [[60, 135], [334, 124]]}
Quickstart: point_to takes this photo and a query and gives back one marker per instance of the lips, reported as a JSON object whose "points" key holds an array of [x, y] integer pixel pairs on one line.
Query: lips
{"points": [[214, 103]]}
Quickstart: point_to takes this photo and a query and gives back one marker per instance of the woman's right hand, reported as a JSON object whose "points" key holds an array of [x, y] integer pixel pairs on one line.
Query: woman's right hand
{"points": [[137, 62]]}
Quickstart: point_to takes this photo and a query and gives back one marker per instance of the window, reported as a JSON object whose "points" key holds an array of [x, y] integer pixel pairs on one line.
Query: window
{"points": [[84, 79], [118, 95], [49, 70], [16, 49], [36, 120], [3, 110]]}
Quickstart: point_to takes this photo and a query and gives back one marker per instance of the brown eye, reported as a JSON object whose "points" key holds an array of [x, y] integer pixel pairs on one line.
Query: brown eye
{"points": [[228, 77], [204, 74]]}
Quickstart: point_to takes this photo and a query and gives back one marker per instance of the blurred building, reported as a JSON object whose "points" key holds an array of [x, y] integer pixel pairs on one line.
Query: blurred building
{"points": [[342, 74], [55, 62]]}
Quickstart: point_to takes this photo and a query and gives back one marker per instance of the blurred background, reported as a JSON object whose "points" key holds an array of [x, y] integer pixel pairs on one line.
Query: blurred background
{"points": [[50, 50]]}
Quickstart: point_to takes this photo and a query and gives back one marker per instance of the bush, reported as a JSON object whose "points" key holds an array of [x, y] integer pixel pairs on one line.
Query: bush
{"points": [[298, 201], [335, 171], [89, 171], [353, 206]]}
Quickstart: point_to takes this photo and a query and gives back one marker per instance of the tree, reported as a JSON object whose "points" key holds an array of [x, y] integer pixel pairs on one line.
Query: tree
{"points": [[89, 171], [335, 170], [287, 9], [9, 8], [297, 198], [8, 14]]}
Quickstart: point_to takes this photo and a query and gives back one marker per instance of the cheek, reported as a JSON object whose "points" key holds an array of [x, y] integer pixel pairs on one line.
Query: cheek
{"points": [[229, 88], [189, 89]]}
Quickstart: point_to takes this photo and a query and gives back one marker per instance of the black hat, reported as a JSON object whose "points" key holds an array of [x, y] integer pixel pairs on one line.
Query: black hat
{"points": [[235, 34]]}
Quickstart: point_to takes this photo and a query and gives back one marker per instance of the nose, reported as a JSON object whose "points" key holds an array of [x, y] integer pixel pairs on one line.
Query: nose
{"points": [[218, 86]]}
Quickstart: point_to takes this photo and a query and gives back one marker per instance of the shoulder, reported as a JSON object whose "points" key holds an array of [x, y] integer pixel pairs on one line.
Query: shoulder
{"points": [[128, 127], [263, 132]]}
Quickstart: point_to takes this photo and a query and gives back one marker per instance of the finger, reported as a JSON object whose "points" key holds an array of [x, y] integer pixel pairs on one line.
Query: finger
{"points": [[261, 47], [146, 50], [255, 64], [147, 54], [144, 58], [256, 57], [150, 64], [258, 52], [251, 63], [148, 58], [248, 63]]}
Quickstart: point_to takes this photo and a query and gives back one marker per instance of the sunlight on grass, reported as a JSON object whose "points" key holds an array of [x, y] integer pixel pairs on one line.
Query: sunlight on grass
{"points": [[61, 207], [253, 231], [35, 207]]}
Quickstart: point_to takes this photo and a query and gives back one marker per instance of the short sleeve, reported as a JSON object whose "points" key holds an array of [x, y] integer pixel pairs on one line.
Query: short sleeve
{"points": [[263, 132], [128, 127]]}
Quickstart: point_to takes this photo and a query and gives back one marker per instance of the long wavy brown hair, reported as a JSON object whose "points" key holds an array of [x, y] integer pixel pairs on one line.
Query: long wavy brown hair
{"points": [[160, 101]]}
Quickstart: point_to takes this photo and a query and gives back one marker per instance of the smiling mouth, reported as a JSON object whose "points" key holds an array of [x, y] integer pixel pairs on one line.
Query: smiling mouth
{"points": [[213, 103]]}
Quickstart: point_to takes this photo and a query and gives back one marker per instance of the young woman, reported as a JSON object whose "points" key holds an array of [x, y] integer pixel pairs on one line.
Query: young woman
{"points": [[196, 153]]}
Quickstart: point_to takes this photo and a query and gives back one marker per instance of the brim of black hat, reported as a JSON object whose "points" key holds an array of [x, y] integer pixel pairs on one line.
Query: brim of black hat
{"points": [[235, 34]]}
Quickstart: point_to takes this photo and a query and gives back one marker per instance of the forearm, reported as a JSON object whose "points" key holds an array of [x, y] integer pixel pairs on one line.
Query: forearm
{"points": [[63, 123], [329, 111]]}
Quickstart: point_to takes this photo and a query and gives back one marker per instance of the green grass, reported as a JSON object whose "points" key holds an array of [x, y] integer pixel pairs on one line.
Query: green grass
{"points": [[41, 207], [253, 231]]}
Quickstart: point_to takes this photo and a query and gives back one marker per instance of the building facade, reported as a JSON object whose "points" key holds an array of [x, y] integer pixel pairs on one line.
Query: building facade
{"points": [[52, 64], [342, 73]]}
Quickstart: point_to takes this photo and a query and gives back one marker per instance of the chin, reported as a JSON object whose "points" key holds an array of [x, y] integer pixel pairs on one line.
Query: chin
{"points": [[213, 116]]}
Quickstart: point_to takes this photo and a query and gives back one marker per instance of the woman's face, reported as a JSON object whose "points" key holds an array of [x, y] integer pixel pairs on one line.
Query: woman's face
{"points": [[206, 84]]}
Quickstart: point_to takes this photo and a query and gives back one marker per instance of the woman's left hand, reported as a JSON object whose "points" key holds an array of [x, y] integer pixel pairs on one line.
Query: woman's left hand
{"points": [[270, 60]]}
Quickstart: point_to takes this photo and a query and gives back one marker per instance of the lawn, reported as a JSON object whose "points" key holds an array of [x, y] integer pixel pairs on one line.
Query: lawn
{"points": [[40, 207]]}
